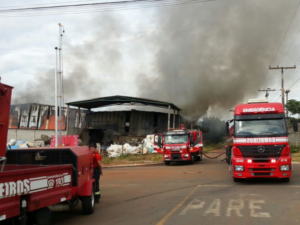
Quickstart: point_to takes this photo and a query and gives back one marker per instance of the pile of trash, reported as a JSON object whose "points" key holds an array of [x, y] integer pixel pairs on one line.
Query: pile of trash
{"points": [[44, 141], [144, 147]]}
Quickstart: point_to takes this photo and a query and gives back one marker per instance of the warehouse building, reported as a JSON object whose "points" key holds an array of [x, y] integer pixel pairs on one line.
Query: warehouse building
{"points": [[29, 121]]}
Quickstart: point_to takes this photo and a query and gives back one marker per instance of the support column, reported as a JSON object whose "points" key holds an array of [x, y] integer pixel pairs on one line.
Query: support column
{"points": [[79, 117], [68, 117], [174, 119], [169, 107]]}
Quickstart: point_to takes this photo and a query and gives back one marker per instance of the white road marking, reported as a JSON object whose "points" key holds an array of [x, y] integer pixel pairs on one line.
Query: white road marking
{"points": [[214, 208], [195, 204], [225, 185], [237, 205], [253, 207]]}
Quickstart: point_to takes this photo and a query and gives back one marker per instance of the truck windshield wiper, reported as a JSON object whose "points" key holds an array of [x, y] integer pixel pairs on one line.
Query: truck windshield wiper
{"points": [[270, 133]]}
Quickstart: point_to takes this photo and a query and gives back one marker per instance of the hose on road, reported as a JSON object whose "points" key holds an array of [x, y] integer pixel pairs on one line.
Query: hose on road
{"points": [[214, 156]]}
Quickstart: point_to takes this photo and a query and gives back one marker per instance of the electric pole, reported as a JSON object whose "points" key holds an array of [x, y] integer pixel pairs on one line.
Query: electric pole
{"points": [[282, 81], [267, 91], [286, 95]]}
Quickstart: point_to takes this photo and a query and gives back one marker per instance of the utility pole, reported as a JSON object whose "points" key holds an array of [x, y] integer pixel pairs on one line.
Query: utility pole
{"points": [[282, 80], [267, 91], [59, 90], [287, 97]]}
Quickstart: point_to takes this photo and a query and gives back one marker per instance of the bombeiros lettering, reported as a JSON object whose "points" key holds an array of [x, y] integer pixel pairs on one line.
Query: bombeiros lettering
{"points": [[14, 188], [261, 109]]}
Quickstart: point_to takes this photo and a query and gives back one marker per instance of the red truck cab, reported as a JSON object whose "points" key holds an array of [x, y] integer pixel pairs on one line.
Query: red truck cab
{"points": [[257, 142], [179, 145]]}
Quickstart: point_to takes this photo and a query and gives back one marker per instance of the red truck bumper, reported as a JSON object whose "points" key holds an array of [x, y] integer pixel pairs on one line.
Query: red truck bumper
{"points": [[266, 170], [177, 157]]}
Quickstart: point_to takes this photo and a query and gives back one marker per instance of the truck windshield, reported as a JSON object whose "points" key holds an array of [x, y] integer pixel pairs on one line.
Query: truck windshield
{"points": [[176, 139], [268, 127]]}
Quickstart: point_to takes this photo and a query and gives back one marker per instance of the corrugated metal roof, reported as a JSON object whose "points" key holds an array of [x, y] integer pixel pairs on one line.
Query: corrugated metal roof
{"points": [[120, 100]]}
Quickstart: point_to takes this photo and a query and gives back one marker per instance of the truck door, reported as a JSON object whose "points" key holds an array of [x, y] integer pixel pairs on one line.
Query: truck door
{"points": [[158, 143]]}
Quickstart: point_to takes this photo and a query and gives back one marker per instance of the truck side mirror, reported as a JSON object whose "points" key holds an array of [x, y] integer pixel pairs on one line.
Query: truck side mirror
{"points": [[295, 126], [191, 140], [227, 128]]}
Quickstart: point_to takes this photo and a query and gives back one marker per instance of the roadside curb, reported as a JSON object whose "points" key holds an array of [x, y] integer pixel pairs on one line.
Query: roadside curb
{"points": [[132, 165]]}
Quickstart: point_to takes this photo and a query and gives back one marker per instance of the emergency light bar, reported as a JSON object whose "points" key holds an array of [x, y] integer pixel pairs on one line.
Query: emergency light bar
{"points": [[259, 100]]}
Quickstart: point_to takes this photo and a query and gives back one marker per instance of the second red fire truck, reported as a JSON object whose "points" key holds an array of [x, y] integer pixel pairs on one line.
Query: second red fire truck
{"points": [[179, 145]]}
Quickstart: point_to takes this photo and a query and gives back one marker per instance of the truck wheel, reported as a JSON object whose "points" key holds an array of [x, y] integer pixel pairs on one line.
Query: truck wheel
{"points": [[88, 203], [236, 179], [285, 180], [192, 159], [199, 156], [227, 156], [167, 163], [42, 216]]}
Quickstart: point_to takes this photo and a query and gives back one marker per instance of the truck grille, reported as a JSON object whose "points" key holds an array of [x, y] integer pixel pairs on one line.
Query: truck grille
{"points": [[262, 169], [261, 174], [261, 150], [176, 157]]}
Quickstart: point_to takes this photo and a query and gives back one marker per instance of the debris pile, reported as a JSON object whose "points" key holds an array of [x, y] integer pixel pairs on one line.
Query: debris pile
{"points": [[133, 147]]}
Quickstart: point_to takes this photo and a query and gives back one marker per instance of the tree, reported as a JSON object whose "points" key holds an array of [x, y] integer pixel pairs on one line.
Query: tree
{"points": [[293, 106]]}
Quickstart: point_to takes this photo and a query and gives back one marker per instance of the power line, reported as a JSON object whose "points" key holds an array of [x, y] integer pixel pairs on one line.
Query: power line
{"points": [[89, 7], [286, 32]]}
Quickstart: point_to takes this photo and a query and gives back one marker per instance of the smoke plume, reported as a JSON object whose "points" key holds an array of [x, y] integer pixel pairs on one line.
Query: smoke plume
{"points": [[212, 56], [204, 56]]}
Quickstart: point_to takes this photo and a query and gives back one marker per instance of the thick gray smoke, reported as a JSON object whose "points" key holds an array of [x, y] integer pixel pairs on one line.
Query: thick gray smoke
{"points": [[213, 55], [82, 65], [203, 56]]}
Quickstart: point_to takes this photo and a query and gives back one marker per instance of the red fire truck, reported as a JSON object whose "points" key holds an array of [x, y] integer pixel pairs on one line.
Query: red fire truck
{"points": [[34, 181], [257, 142], [179, 145]]}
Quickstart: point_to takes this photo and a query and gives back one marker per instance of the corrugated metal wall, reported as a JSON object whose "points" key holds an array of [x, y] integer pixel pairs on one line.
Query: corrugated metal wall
{"points": [[141, 123], [108, 120]]}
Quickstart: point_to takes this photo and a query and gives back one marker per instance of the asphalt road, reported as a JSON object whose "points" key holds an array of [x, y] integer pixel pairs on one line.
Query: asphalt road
{"points": [[203, 193]]}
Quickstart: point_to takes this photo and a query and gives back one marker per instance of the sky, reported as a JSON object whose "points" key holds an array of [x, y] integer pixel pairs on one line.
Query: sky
{"points": [[204, 57]]}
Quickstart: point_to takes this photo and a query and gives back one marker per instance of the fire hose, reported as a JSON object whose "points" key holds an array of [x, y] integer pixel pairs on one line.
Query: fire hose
{"points": [[214, 156]]}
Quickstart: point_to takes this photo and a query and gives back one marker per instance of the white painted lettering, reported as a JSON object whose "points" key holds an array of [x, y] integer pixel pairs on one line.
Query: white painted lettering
{"points": [[195, 204], [12, 188], [1, 190], [26, 185], [235, 205], [214, 208], [20, 187], [253, 207], [6, 189]]}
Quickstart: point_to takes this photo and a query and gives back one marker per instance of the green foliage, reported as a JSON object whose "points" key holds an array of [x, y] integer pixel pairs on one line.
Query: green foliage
{"points": [[127, 158], [295, 149], [293, 106], [213, 129]]}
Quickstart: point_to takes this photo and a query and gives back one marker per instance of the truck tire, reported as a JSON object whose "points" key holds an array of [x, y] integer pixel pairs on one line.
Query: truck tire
{"points": [[236, 179], [167, 163], [199, 156], [192, 159], [88, 203], [227, 156], [285, 180]]}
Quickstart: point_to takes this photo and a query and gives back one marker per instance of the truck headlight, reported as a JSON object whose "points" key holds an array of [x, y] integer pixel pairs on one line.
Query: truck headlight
{"points": [[166, 156], [285, 168], [186, 156], [238, 168]]}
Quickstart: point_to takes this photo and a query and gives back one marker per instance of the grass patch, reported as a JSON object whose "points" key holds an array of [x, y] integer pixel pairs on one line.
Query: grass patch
{"points": [[130, 159], [212, 146]]}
